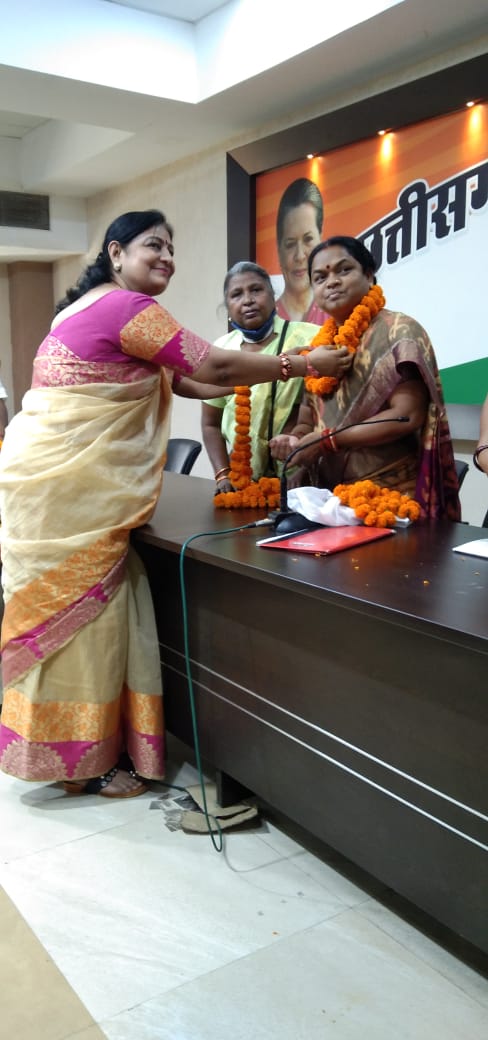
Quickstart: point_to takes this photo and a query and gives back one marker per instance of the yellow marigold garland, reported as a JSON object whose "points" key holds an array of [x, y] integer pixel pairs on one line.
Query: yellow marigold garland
{"points": [[347, 335], [376, 506], [249, 493]]}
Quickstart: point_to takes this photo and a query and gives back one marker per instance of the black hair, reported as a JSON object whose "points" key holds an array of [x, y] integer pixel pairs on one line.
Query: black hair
{"points": [[247, 267], [123, 230], [296, 194], [353, 246]]}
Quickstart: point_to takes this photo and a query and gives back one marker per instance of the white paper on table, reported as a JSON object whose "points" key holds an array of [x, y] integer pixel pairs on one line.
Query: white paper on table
{"points": [[477, 548]]}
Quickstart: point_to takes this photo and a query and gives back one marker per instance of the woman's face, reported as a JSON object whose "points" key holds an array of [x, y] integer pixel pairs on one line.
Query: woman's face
{"points": [[300, 235], [249, 300], [338, 282], [147, 263]]}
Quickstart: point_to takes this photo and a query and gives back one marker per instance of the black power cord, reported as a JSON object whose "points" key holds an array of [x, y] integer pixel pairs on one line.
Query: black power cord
{"points": [[211, 821]]}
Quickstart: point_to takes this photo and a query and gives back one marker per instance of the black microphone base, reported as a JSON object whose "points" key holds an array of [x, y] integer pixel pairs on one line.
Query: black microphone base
{"points": [[291, 523]]}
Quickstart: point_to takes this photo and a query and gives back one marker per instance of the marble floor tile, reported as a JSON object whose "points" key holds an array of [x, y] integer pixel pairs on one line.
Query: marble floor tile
{"points": [[427, 950], [41, 816], [38, 816], [92, 1033], [285, 839], [36, 1002], [137, 910], [341, 877], [344, 978], [324, 873], [162, 938]]}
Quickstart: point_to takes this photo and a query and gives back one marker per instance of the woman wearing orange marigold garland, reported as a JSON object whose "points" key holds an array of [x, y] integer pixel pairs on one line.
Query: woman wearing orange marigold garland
{"points": [[271, 407], [394, 373]]}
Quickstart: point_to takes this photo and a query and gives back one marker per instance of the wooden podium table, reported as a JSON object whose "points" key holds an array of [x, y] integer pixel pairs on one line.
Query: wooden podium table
{"points": [[350, 692]]}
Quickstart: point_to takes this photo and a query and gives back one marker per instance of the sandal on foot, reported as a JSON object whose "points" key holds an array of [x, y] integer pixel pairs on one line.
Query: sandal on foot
{"points": [[100, 784]]}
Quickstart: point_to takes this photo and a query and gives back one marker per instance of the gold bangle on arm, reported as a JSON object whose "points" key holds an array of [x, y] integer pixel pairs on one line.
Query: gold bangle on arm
{"points": [[221, 473]]}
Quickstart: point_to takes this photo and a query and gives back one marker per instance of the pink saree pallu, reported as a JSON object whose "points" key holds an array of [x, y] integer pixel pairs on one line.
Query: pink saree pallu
{"points": [[80, 468]]}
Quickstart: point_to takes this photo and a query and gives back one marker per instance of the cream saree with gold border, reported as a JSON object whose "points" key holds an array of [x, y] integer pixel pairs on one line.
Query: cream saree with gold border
{"points": [[81, 467]]}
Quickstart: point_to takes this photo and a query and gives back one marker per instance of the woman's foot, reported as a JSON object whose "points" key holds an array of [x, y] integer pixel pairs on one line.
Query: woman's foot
{"points": [[118, 783]]}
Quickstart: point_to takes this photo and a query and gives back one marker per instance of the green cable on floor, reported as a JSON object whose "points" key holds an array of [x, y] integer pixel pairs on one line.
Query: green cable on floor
{"points": [[218, 844]]}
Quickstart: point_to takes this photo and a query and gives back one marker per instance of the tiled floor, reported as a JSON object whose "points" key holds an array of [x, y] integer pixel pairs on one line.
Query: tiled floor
{"points": [[161, 938]]}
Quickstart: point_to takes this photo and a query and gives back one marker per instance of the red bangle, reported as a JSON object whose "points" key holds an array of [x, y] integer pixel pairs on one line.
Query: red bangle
{"points": [[285, 367], [310, 370], [328, 441]]}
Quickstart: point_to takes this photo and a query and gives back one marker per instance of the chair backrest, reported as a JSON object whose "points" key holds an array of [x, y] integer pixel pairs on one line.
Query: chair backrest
{"points": [[461, 470], [182, 454]]}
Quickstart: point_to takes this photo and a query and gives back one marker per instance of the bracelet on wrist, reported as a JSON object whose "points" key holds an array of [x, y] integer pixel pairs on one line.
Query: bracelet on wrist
{"points": [[221, 473], [328, 442], [310, 370], [482, 447], [285, 365]]}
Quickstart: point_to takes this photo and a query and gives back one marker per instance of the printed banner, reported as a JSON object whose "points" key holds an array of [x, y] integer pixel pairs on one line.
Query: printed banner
{"points": [[418, 199]]}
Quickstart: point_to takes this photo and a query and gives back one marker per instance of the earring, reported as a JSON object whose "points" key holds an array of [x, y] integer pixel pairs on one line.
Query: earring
{"points": [[117, 266]]}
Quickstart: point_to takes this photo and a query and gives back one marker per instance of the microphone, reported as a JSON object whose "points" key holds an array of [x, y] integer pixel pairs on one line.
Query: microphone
{"points": [[288, 522]]}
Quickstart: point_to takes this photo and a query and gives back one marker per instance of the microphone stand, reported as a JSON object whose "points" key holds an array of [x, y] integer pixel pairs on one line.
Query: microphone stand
{"points": [[285, 520]]}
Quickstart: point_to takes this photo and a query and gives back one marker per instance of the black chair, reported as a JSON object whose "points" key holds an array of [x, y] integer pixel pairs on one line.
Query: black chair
{"points": [[461, 470], [182, 453]]}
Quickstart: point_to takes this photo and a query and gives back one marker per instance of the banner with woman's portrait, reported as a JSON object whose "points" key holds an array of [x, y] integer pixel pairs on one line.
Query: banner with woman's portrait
{"points": [[418, 199]]}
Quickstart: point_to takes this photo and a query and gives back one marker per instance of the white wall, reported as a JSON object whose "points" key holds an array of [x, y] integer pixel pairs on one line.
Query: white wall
{"points": [[66, 234]]}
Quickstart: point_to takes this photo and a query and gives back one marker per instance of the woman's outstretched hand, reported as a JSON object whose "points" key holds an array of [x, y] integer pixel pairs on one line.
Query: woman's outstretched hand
{"points": [[331, 361], [281, 445]]}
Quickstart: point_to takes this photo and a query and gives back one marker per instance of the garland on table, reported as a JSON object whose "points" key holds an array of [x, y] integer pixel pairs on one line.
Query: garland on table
{"points": [[376, 506], [249, 493], [347, 335]]}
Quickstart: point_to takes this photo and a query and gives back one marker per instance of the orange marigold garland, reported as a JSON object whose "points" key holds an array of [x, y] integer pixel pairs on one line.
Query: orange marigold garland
{"points": [[376, 506], [249, 493], [240, 460], [347, 335]]}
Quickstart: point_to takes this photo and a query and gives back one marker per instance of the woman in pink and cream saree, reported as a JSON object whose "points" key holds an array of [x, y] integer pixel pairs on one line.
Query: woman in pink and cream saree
{"points": [[81, 467]]}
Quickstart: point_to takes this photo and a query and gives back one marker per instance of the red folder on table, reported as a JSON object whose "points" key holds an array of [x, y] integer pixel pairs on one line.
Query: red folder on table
{"points": [[325, 540]]}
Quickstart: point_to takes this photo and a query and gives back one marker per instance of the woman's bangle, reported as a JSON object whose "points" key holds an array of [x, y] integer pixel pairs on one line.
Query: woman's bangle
{"points": [[328, 441], [310, 370], [482, 447], [222, 473], [285, 365]]}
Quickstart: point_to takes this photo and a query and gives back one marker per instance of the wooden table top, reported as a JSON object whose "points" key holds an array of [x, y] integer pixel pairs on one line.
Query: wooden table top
{"points": [[412, 578]]}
